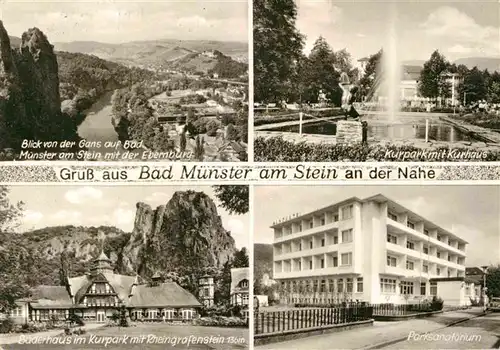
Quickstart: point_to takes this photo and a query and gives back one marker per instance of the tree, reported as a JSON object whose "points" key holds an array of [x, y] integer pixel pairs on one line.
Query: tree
{"points": [[432, 82], [182, 142], [277, 49], [234, 198], [474, 86], [231, 132], [223, 285], [321, 75], [240, 258], [372, 76], [493, 281], [10, 213], [199, 148]]}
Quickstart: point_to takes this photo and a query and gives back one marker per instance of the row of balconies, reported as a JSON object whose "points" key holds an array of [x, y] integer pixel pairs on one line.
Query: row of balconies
{"points": [[418, 229]]}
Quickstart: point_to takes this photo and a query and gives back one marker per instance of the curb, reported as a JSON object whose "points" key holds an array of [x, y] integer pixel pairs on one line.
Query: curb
{"points": [[394, 341]]}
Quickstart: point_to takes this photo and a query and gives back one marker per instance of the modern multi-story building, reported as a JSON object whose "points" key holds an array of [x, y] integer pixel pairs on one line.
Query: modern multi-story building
{"points": [[372, 250]]}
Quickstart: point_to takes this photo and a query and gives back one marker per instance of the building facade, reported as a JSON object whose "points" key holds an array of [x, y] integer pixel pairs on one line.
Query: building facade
{"points": [[206, 290], [372, 250], [96, 296]]}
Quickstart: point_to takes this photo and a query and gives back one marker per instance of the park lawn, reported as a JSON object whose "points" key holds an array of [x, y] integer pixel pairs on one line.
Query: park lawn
{"points": [[229, 338]]}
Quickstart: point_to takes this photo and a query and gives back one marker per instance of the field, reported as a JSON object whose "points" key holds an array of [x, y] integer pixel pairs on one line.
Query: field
{"points": [[148, 336]]}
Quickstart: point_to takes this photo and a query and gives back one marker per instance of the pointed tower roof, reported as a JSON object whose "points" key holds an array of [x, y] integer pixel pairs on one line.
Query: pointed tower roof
{"points": [[102, 257]]}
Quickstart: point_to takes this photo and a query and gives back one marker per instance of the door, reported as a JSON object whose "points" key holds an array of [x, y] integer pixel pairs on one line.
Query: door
{"points": [[101, 316]]}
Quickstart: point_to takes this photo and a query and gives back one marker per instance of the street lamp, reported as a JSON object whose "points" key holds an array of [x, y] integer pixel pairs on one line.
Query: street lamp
{"points": [[485, 272]]}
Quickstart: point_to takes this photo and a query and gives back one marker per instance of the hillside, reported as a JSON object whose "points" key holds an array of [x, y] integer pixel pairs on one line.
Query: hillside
{"points": [[490, 63], [184, 236], [170, 54]]}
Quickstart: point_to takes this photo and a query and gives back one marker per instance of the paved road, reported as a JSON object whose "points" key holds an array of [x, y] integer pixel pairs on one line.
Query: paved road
{"points": [[478, 333]]}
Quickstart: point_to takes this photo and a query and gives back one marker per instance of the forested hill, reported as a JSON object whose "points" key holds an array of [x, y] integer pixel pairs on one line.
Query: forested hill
{"points": [[84, 78]]}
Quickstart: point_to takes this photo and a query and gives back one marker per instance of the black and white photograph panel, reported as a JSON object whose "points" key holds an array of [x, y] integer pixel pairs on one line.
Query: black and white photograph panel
{"points": [[349, 80], [124, 81], [124, 267], [375, 267]]}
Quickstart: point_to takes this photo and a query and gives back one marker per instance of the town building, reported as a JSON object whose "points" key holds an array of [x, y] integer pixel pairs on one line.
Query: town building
{"points": [[240, 288], [372, 250], [206, 290], [96, 296]]}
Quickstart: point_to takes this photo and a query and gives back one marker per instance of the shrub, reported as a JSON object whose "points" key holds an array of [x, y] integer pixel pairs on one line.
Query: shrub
{"points": [[220, 321], [7, 325], [436, 304]]}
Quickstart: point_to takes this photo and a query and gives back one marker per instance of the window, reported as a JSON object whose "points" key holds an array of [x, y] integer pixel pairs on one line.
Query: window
{"points": [[392, 239], [426, 249], [300, 227], [434, 288], [300, 265], [335, 261], [322, 287], [387, 285], [340, 285], [331, 285], [335, 217], [410, 245], [359, 285], [322, 263], [438, 271], [336, 239], [322, 242], [392, 216], [410, 224], [349, 285], [346, 259], [410, 265], [438, 254], [347, 212], [426, 232], [391, 261], [311, 224], [347, 236], [423, 287], [449, 258], [300, 246], [440, 238], [322, 221], [311, 244], [406, 287], [425, 268]]}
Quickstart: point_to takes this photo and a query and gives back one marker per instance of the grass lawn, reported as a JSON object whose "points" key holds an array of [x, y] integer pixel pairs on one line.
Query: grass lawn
{"points": [[148, 336]]}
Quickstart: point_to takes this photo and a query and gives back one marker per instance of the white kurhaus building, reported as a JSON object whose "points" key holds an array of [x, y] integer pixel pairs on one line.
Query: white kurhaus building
{"points": [[372, 250]]}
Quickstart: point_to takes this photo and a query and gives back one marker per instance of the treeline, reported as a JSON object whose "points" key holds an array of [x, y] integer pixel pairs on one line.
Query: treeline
{"points": [[85, 78], [282, 71]]}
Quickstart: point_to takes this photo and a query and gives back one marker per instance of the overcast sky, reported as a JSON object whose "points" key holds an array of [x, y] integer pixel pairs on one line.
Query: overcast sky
{"points": [[457, 28], [122, 21], [107, 205], [471, 212]]}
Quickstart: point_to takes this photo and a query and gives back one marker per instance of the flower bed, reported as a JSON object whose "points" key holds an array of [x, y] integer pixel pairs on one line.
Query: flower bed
{"points": [[220, 321]]}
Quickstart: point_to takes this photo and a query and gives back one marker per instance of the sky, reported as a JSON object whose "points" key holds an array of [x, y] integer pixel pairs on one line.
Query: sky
{"points": [[456, 28], [123, 21], [471, 212], [108, 206]]}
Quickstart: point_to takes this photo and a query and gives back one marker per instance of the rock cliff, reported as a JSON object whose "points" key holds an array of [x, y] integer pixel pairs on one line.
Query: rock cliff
{"points": [[30, 106], [187, 231]]}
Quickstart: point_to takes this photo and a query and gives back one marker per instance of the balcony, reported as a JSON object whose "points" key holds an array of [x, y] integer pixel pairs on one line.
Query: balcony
{"points": [[307, 252], [400, 227], [307, 232], [315, 272]]}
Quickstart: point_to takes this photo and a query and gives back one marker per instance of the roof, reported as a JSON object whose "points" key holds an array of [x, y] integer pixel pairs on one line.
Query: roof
{"points": [[50, 297], [473, 271], [103, 256], [121, 284], [238, 275], [164, 295]]}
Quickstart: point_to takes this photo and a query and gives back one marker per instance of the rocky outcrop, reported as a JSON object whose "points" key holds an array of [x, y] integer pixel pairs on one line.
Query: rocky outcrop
{"points": [[30, 106], [187, 231]]}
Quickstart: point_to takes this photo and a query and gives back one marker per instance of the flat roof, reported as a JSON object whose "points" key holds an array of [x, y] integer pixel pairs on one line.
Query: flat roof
{"points": [[375, 198]]}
